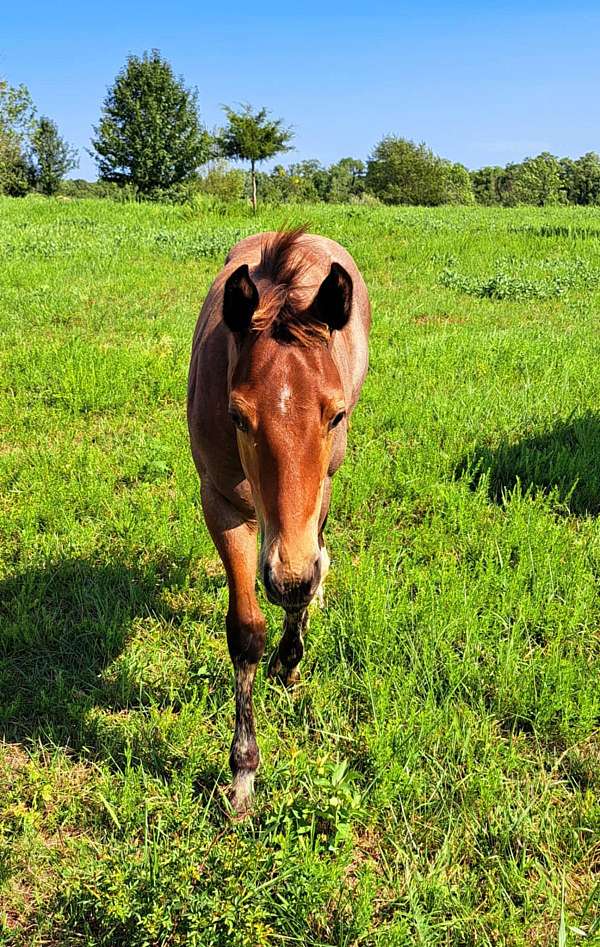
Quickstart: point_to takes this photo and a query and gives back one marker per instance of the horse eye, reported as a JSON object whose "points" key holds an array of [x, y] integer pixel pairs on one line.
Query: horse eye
{"points": [[336, 420], [240, 423]]}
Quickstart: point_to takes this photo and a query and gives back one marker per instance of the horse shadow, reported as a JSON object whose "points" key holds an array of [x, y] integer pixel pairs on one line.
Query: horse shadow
{"points": [[61, 627], [561, 462]]}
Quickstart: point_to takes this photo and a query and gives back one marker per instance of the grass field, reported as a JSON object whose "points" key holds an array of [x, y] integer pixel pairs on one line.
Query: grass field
{"points": [[435, 778]]}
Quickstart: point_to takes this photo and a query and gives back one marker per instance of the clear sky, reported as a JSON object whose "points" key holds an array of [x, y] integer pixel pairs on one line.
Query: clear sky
{"points": [[481, 83]]}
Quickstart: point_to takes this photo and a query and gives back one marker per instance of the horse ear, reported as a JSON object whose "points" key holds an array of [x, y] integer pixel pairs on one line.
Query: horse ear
{"points": [[333, 302], [240, 300]]}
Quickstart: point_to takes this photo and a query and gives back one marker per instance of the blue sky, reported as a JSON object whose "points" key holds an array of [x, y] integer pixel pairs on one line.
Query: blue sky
{"points": [[481, 84]]}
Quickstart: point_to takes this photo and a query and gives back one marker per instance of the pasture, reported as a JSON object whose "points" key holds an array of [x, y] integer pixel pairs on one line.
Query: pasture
{"points": [[434, 779]]}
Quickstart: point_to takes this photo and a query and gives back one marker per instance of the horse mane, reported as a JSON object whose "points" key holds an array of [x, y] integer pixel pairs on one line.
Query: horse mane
{"points": [[280, 307]]}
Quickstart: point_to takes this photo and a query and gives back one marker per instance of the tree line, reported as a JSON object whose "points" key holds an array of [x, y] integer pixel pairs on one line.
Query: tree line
{"points": [[150, 143]]}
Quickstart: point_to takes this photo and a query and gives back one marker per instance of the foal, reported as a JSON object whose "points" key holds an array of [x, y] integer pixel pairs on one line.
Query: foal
{"points": [[278, 360]]}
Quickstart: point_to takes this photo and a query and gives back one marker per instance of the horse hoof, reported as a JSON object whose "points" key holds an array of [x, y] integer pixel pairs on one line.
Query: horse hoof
{"points": [[278, 671], [241, 793]]}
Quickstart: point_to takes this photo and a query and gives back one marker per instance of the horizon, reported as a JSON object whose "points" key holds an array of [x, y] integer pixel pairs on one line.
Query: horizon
{"points": [[515, 83]]}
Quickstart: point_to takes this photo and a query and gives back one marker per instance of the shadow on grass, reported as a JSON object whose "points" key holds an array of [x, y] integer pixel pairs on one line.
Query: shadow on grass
{"points": [[562, 461], [60, 627]]}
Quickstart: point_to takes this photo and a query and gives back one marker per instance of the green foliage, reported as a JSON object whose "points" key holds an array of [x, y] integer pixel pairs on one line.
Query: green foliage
{"points": [[458, 188], [252, 136], [487, 185], [340, 183], [346, 180], [542, 180], [402, 172], [223, 183], [303, 181], [16, 122], [434, 778], [149, 134], [511, 280], [581, 179], [51, 156], [536, 181], [205, 243], [79, 188]]}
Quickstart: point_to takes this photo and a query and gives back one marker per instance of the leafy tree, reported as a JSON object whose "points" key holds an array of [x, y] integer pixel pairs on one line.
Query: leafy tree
{"points": [[537, 181], [51, 156], [458, 188], [486, 183], [346, 180], [581, 178], [310, 181], [16, 122], [149, 133], [402, 172], [252, 136], [568, 180], [287, 185]]}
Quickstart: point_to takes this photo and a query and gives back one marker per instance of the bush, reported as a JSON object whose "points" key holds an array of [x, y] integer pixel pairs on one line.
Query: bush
{"points": [[79, 188], [225, 183]]}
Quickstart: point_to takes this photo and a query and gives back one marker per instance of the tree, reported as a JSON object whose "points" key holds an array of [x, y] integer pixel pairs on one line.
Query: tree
{"points": [[149, 133], [51, 156], [581, 178], [402, 172], [252, 136], [310, 180], [16, 122], [399, 172], [346, 180], [537, 180], [458, 188], [486, 185]]}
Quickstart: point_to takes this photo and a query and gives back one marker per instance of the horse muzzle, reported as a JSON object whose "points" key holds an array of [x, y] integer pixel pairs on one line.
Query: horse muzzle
{"points": [[291, 592]]}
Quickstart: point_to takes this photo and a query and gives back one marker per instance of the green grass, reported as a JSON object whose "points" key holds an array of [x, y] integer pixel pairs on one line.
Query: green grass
{"points": [[434, 779]]}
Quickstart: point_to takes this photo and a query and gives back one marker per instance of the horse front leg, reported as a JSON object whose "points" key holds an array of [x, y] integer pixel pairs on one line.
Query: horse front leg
{"points": [[288, 654], [235, 539]]}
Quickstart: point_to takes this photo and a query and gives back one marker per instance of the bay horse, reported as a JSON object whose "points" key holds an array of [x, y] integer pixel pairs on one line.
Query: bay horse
{"points": [[279, 356]]}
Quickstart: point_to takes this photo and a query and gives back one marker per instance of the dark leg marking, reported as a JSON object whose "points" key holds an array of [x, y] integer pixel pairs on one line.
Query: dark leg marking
{"points": [[246, 648], [288, 654]]}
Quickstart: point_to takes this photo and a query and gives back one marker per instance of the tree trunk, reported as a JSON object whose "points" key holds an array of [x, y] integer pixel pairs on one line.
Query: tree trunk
{"points": [[253, 172]]}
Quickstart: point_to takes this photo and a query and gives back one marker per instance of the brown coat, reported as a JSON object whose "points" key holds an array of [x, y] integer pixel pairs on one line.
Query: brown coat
{"points": [[214, 354], [278, 360]]}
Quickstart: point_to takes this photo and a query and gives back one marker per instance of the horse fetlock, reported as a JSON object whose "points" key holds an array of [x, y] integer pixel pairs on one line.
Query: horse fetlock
{"points": [[241, 792], [287, 674], [244, 753]]}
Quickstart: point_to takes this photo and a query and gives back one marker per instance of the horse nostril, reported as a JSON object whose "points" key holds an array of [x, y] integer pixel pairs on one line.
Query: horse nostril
{"points": [[305, 588]]}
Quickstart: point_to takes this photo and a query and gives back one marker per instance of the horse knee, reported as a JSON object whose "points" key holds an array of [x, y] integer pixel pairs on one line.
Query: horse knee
{"points": [[246, 639]]}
